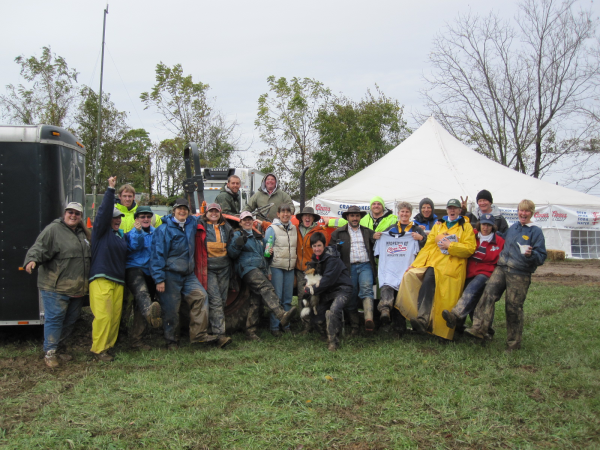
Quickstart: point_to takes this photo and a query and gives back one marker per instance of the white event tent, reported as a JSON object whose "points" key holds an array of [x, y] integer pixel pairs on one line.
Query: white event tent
{"points": [[432, 163]]}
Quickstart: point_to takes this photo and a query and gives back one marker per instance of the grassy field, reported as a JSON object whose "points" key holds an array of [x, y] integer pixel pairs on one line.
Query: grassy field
{"points": [[375, 392]]}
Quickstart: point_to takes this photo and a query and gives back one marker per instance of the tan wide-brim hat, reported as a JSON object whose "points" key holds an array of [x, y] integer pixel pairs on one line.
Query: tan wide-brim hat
{"points": [[308, 210], [353, 209]]}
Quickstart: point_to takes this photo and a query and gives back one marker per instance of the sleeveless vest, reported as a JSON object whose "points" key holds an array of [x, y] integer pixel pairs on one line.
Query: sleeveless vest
{"points": [[284, 248]]}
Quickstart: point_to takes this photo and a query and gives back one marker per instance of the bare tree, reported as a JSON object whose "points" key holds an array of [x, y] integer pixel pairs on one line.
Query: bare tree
{"points": [[190, 115], [518, 91]]}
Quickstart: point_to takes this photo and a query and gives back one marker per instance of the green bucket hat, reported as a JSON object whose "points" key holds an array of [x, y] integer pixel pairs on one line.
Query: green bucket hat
{"points": [[142, 210]]}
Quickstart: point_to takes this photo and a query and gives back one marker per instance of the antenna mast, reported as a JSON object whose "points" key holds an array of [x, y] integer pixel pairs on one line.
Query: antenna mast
{"points": [[99, 130]]}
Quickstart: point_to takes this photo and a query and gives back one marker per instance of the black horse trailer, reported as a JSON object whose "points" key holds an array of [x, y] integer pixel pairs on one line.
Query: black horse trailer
{"points": [[42, 168]]}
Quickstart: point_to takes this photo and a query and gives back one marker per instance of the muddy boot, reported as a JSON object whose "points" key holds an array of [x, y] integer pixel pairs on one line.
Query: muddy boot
{"points": [[252, 336], [368, 310], [398, 323], [153, 316], [320, 328], [307, 328], [51, 359], [103, 356], [385, 316], [62, 353], [354, 323], [141, 347], [418, 326], [474, 332], [450, 318], [332, 339], [223, 341], [285, 317]]}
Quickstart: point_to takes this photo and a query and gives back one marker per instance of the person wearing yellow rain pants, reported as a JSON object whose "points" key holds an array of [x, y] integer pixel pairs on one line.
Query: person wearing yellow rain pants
{"points": [[435, 279]]}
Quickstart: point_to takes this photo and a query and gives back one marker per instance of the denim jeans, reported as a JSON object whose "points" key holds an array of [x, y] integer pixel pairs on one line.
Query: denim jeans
{"points": [[470, 297], [189, 288], [283, 282], [362, 284], [60, 312]]}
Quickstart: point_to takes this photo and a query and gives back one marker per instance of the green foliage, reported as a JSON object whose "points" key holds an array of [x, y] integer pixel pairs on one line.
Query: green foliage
{"points": [[286, 122], [187, 113], [131, 162], [168, 167], [376, 392], [50, 95], [352, 136], [114, 128]]}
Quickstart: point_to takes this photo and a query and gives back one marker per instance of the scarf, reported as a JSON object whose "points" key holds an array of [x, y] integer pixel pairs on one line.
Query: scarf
{"points": [[483, 238]]}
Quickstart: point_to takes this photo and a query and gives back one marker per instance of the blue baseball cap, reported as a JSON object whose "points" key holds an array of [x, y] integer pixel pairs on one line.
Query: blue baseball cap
{"points": [[487, 218]]}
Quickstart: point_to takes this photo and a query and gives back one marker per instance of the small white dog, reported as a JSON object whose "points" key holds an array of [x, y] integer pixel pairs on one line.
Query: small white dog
{"points": [[312, 281]]}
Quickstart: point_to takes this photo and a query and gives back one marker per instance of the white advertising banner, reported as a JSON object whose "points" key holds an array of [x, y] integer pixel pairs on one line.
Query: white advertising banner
{"points": [[335, 209], [550, 216], [561, 217]]}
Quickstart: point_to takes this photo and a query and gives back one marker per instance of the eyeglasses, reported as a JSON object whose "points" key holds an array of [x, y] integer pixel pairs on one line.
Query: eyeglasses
{"points": [[75, 213], [145, 216]]}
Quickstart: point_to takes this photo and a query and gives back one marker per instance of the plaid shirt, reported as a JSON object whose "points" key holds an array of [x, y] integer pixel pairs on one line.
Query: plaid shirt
{"points": [[358, 251]]}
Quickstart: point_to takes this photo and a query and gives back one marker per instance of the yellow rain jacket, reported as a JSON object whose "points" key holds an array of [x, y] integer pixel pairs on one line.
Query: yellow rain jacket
{"points": [[450, 273]]}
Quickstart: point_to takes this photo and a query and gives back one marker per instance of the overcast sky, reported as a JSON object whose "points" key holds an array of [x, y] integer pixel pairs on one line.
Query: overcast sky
{"points": [[235, 45]]}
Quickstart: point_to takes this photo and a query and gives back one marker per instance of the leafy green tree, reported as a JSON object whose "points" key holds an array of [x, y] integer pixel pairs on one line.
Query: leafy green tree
{"points": [[131, 160], [286, 122], [114, 129], [352, 136], [168, 168], [50, 96], [188, 114]]}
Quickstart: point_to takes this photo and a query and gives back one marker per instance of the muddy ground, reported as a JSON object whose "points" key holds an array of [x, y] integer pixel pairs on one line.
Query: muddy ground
{"points": [[22, 366], [569, 273]]}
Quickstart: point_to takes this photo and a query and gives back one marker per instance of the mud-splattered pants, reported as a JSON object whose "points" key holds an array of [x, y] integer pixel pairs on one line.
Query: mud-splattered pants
{"points": [[60, 313], [260, 289], [388, 297], [188, 287], [106, 301], [335, 304], [473, 291], [217, 289], [516, 286], [144, 291]]}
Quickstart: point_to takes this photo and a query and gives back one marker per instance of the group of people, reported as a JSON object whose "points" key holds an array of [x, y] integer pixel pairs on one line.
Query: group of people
{"points": [[432, 272]]}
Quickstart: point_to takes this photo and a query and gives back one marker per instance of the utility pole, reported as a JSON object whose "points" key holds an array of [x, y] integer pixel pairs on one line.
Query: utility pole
{"points": [[99, 131]]}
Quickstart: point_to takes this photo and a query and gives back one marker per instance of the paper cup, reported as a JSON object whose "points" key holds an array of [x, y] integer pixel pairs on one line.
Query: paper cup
{"points": [[524, 248]]}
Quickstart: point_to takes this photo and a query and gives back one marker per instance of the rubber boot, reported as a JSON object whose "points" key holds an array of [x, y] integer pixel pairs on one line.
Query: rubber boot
{"points": [[332, 340], [368, 311], [354, 323], [307, 327]]}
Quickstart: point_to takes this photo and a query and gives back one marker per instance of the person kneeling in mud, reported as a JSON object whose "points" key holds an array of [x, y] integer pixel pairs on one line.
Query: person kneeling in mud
{"points": [[335, 288], [247, 249]]}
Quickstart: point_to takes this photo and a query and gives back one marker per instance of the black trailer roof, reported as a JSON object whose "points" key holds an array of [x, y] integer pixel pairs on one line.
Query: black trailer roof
{"points": [[45, 134]]}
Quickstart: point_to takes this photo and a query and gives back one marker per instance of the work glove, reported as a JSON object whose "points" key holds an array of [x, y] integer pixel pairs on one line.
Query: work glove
{"points": [[241, 240]]}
